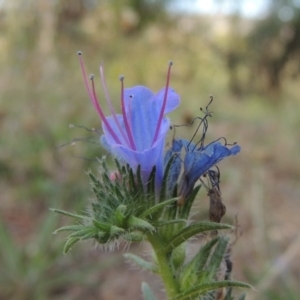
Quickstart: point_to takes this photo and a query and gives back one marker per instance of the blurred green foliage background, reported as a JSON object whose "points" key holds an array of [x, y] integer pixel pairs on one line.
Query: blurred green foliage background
{"points": [[252, 68]]}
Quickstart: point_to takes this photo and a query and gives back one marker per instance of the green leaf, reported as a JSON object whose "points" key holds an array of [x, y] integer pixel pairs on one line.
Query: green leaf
{"points": [[88, 235], [133, 187], [190, 271], [115, 231], [141, 262], [192, 230], [69, 228], [163, 192], [205, 288], [120, 215], [147, 293], [63, 212], [165, 223], [151, 187], [154, 209], [102, 226], [83, 232], [139, 223], [140, 181], [185, 211], [94, 180], [70, 243], [135, 236], [217, 256]]}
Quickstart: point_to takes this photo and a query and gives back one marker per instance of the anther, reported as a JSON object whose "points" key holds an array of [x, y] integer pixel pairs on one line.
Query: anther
{"points": [[92, 77], [79, 53], [121, 77]]}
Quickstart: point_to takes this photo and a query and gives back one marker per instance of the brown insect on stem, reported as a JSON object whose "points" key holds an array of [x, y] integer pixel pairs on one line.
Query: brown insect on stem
{"points": [[216, 207]]}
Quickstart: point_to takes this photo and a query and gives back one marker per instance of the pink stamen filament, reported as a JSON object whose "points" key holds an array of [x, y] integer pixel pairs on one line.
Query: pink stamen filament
{"points": [[126, 123], [112, 110], [92, 95], [161, 115]]}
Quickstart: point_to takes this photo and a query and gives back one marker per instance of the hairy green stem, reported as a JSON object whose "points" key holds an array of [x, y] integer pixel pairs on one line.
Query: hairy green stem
{"points": [[165, 269]]}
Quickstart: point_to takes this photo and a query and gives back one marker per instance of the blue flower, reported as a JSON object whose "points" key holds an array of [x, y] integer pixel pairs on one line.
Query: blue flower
{"points": [[199, 161], [137, 136]]}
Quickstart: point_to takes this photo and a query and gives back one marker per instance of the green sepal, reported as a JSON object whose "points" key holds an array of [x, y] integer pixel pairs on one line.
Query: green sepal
{"points": [[163, 192], [141, 262], [147, 293], [115, 231], [120, 215], [207, 287], [102, 226], [134, 222], [135, 236], [63, 212], [192, 230], [157, 208], [185, 210], [190, 272], [151, 187], [69, 228], [70, 243], [140, 181], [83, 232], [94, 179]]}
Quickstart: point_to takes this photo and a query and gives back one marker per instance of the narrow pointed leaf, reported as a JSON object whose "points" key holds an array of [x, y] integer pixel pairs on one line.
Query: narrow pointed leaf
{"points": [[139, 223], [69, 228], [141, 262], [217, 256], [120, 215], [88, 235], [86, 230], [154, 209], [139, 180], [134, 236], [165, 223], [185, 211], [114, 230], [102, 226], [63, 212], [147, 293], [205, 288], [163, 192], [192, 230], [151, 186], [190, 270], [70, 243]]}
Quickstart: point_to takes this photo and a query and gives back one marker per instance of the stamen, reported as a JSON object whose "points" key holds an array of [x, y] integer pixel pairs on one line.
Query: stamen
{"points": [[126, 123], [111, 108], [164, 104], [93, 97]]}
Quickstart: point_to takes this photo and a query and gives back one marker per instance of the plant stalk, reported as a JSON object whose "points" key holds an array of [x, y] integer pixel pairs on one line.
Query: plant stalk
{"points": [[164, 266]]}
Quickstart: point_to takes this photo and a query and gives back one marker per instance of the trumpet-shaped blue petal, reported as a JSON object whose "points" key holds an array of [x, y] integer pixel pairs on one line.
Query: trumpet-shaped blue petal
{"points": [[142, 109], [197, 162]]}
